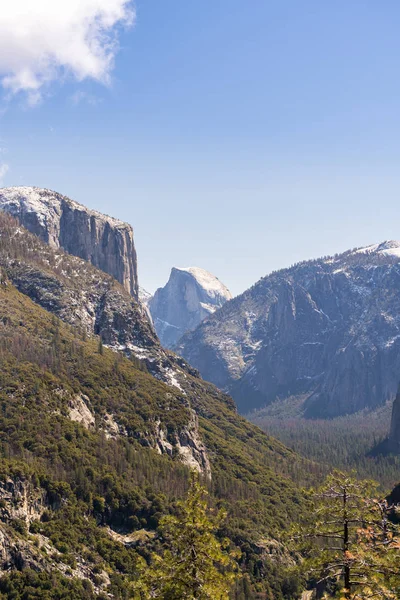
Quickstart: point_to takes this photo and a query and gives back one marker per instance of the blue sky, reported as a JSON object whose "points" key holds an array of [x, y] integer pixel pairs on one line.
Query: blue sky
{"points": [[236, 136]]}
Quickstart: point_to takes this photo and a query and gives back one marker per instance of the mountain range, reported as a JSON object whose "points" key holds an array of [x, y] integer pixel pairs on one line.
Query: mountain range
{"points": [[100, 426], [101, 423], [323, 335]]}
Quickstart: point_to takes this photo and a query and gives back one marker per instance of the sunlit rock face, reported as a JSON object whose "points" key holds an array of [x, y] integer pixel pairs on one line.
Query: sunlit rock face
{"points": [[60, 222], [190, 296], [324, 333]]}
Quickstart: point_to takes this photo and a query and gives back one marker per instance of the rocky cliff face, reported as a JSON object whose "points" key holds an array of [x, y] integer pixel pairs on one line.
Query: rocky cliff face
{"points": [[21, 505], [84, 297], [60, 222], [191, 295], [325, 331], [94, 303]]}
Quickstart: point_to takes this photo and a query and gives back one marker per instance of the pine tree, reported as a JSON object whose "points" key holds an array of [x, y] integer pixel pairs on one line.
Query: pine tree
{"points": [[379, 552], [352, 545], [195, 564]]}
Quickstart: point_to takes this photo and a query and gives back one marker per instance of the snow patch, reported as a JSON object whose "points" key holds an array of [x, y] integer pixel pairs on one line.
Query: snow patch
{"points": [[390, 342], [388, 248], [172, 380], [144, 296], [43, 203], [211, 284]]}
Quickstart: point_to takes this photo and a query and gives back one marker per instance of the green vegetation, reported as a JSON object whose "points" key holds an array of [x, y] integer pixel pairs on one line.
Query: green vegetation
{"points": [[94, 479], [351, 544], [194, 564], [345, 443], [92, 441], [30, 585]]}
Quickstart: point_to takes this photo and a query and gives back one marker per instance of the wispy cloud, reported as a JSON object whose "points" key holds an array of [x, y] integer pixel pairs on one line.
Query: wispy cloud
{"points": [[45, 40], [80, 96], [4, 168]]}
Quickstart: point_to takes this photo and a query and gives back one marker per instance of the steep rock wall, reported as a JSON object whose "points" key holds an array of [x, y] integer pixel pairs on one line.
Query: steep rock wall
{"points": [[327, 331], [191, 295], [60, 222]]}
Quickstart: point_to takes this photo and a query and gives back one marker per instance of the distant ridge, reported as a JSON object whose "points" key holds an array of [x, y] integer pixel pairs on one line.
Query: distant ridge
{"points": [[325, 330]]}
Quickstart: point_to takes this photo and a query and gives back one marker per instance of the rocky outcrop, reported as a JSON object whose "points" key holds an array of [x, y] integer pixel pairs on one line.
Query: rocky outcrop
{"points": [[187, 443], [96, 304], [79, 294], [191, 295], [80, 412], [62, 223], [327, 331], [21, 504], [20, 501], [191, 448]]}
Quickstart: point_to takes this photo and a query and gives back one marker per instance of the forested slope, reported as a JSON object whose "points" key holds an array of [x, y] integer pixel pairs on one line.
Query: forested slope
{"points": [[352, 442], [91, 441]]}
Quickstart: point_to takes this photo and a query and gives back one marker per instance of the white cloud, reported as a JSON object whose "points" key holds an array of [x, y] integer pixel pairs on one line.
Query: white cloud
{"points": [[4, 168], [43, 40]]}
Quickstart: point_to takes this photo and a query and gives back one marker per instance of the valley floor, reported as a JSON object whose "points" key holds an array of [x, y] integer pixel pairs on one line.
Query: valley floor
{"points": [[347, 442]]}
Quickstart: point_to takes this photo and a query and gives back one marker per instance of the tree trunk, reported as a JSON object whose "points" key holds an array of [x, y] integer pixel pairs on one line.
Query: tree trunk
{"points": [[346, 548]]}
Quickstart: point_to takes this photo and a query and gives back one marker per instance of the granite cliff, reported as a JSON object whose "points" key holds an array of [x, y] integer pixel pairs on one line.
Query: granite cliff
{"points": [[190, 296], [62, 223], [84, 297], [325, 333], [96, 446]]}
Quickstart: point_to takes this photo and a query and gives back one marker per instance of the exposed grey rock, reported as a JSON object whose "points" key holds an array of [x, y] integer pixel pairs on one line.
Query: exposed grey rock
{"points": [[80, 412], [111, 428], [192, 449], [91, 300], [327, 330], [187, 443], [85, 297], [191, 295], [132, 540], [20, 500], [60, 222]]}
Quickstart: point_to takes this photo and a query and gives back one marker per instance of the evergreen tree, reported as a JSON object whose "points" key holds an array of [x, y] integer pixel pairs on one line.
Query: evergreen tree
{"points": [[379, 551], [351, 543], [195, 565]]}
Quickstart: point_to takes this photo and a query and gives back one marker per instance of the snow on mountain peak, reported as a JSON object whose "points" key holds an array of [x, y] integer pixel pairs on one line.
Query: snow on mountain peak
{"points": [[209, 282], [144, 295], [190, 295], [61, 222], [44, 203], [387, 248]]}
